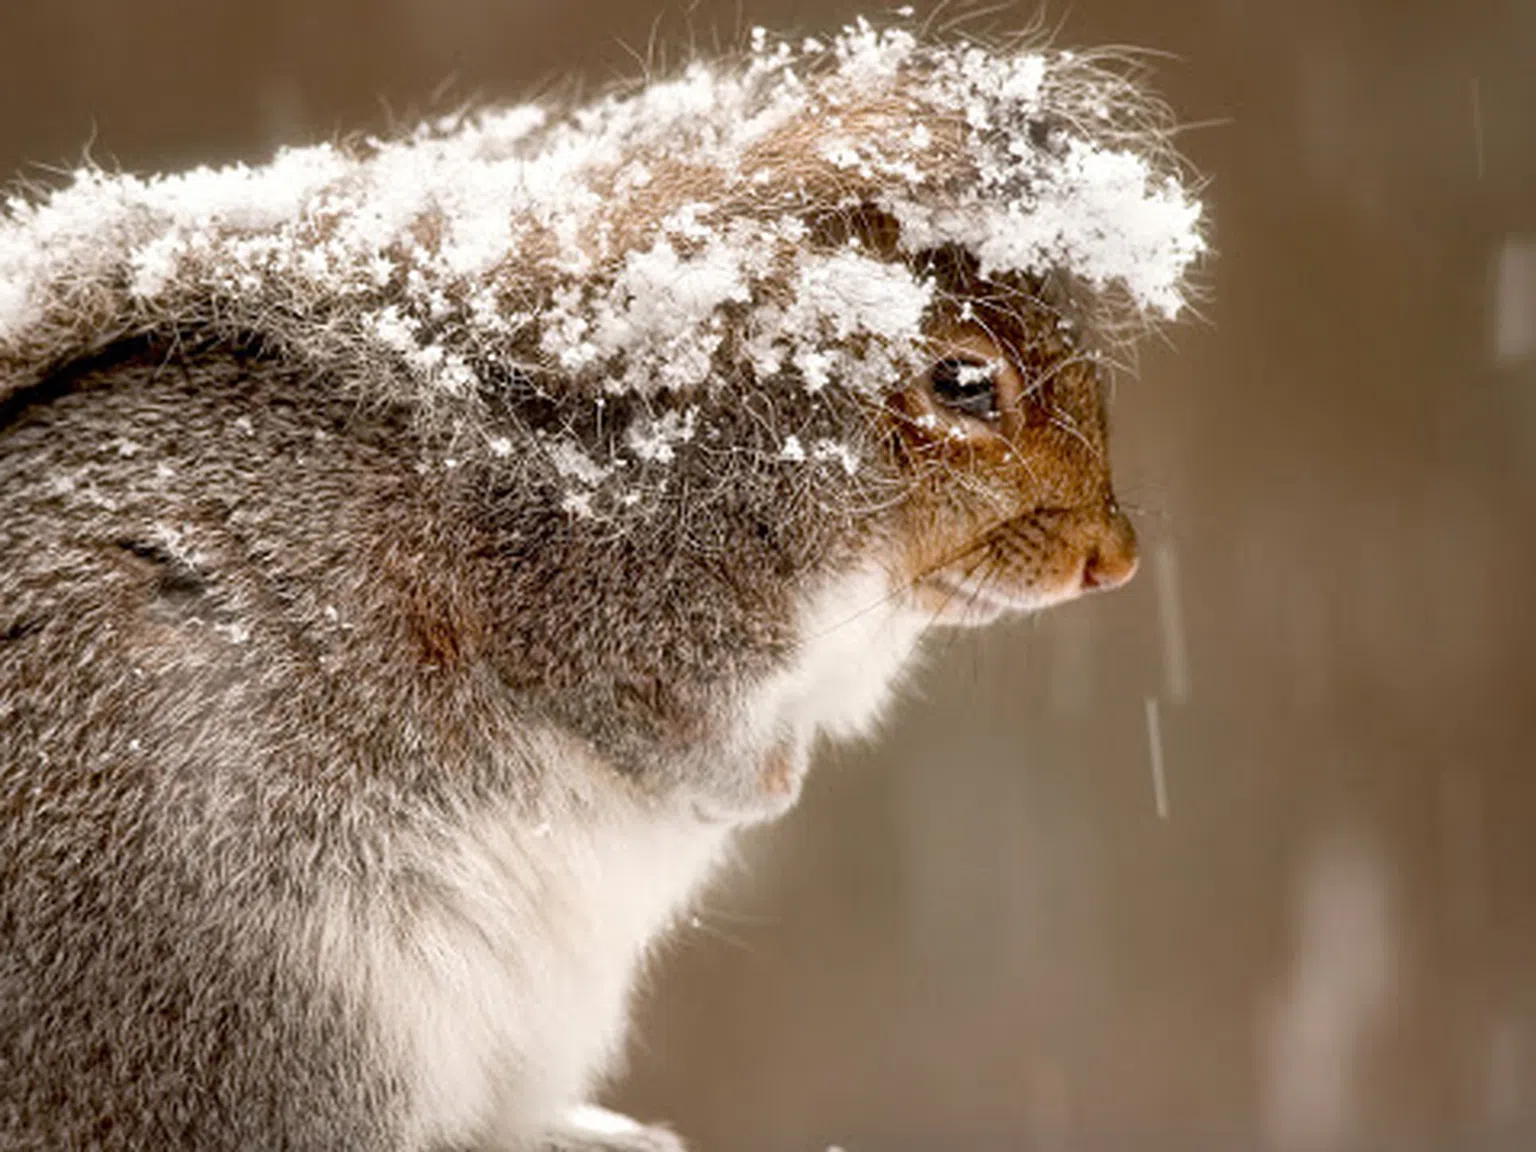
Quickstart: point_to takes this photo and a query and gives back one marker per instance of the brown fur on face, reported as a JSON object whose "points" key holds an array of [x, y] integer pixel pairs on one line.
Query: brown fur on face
{"points": [[1015, 511]]}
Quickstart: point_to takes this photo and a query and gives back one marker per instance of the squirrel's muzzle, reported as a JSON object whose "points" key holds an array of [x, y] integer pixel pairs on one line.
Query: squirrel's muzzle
{"points": [[1112, 554]]}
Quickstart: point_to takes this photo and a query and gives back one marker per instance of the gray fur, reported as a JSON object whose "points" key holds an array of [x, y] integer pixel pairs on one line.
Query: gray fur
{"points": [[246, 645]]}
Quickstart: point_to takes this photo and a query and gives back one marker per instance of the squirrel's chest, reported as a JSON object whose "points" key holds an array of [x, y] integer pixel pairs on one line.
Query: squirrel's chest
{"points": [[499, 983]]}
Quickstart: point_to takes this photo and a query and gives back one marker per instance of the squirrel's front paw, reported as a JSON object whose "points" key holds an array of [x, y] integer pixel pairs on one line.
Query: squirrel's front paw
{"points": [[750, 785], [588, 1128]]}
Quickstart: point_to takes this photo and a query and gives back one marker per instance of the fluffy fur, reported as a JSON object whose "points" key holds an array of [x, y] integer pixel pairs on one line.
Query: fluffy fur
{"points": [[417, 559]]}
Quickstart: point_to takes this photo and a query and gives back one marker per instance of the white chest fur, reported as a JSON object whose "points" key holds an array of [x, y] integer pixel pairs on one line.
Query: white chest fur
{"points": [[498, 969], [498, 976], [856, 638]]}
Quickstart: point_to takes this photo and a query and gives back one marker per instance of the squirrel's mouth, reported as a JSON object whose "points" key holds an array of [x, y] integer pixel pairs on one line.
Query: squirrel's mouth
{"points": [[952, 599], [957, 599], [1030, 564]]}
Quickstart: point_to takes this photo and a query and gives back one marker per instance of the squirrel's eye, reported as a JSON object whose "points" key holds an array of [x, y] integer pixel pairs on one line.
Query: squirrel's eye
{"points": [[966, 386]]}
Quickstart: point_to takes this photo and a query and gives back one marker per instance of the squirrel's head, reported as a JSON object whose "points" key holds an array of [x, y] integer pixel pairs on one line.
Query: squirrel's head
{"points": [[870, 284]]}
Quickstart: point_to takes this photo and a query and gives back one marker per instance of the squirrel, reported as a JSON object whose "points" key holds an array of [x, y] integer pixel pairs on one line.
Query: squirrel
{"points": [[419, 557]]}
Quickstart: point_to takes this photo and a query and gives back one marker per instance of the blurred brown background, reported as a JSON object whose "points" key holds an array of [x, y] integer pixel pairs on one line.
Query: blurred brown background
{"points": [[979, 933]]}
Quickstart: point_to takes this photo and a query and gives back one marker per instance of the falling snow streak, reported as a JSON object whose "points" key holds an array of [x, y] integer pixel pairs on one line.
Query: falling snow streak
{"points": [[1514, 302], [1155, 744]]}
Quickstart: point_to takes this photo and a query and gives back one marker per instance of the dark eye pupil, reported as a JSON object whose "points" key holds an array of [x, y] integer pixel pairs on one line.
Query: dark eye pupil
{"points": [[967, 386]]}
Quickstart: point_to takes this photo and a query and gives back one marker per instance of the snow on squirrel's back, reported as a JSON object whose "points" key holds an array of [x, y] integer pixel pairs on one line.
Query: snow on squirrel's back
{"points": [[619, 245]]}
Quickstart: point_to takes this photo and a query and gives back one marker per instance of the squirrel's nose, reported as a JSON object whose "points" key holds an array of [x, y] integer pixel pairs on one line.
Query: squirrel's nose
{"points": [[1112, 555]]}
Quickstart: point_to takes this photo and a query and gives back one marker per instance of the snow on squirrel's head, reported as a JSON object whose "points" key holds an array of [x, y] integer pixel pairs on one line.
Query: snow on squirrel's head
{"points": [[806, 223]]}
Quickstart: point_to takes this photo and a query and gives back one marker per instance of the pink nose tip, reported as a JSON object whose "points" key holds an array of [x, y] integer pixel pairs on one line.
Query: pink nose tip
{"points": [[1112, 558]]}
